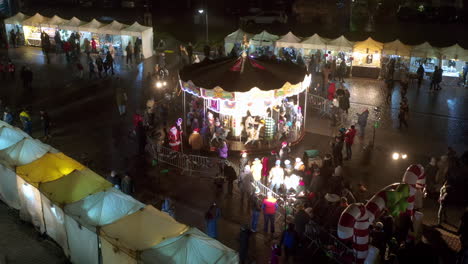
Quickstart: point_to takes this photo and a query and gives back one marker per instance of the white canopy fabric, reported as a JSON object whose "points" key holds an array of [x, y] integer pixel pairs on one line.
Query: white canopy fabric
{"points": [[103, 208], [8, 187], [314, 42], [198, 248], [24, 152], [113, 28], [368, 46], [83, 243], [16, 19], [54, 220], [396, 47], [93, 26], [233, 38], [425, 50], [146, 35], [30, 204], [73, 24], [455, 52], [264, 39], [36, 20], [55, 21], [288, 40], [10, 136], [340, 44]]}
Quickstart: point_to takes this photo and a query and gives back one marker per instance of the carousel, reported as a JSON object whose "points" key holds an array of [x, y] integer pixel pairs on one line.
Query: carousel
{"points": [[252, 104]]}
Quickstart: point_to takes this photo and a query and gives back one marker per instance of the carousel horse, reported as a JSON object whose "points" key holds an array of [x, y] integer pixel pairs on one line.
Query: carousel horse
{"points": [[253, 134], [220, 134]]}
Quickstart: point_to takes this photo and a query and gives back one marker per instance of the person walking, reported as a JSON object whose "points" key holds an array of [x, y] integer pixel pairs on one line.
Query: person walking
{"points": [[434, 79], [99, 65], [337, 151], [349, 140], [230, 175], [245, 183], [93, 46], [289, 240], [443, 203], [342, 71], [269, 208], [129, 50], [420, 74], [127, 185], [114, 179], [92, 73], [14, 44], [211, 220], [256, 209], [362, 121], [121, 99], [137, 51], [403, 114], [45, 120], [110, 62]]}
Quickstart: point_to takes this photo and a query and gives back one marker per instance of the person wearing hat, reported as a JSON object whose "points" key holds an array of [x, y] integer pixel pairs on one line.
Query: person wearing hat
{"points": [[244, 160], [284, 151], [276, 176], [378, 239], [196, 141], [257, 169]]}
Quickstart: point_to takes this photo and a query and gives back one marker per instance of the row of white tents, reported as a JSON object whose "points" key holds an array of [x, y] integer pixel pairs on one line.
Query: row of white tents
{"points": [[316, 42], [93, 222], [93, 26]]}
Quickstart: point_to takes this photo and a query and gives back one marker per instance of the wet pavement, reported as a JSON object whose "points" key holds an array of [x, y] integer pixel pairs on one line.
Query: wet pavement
{"points": [[86, 125]]}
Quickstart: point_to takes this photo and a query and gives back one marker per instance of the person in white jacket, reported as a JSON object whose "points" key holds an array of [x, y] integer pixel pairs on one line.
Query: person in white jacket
{"points": [[256, 169], [276, 176]]}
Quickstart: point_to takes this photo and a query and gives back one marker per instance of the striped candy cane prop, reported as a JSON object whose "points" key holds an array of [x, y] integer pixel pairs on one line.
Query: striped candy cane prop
{"points": [[398, 198]]}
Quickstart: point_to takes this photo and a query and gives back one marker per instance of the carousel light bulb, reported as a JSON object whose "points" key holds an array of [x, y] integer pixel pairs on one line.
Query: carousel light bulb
{"points": [[396, 156], [201, 11], [404, 156]]}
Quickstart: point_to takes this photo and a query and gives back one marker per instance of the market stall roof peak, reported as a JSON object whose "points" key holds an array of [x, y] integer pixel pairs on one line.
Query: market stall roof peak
{"points": [[288, 40], [55, 21], [93, 26], [237, 35], [73, 24], [135, 29], [396, 47], [314, 42], [114, 28], [242, 74], [425, 50], [455, 52], [368, 45], [16, 19], [340, 44], [36, 20]]}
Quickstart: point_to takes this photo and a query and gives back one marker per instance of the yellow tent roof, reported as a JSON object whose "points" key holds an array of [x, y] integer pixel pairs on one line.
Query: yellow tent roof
{"points": [[368, 46], [49, 167], [142, 230], [74, 186]]}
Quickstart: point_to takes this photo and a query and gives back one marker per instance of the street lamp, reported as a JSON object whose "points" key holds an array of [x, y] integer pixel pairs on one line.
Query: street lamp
{"points": [[201, 12]]}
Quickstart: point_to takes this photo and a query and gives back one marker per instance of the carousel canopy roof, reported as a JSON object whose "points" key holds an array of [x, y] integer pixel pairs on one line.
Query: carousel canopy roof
{"points": [[36, 20], [288, 40], [16, 19], [243, 74], [396, 47], [455, 52]]}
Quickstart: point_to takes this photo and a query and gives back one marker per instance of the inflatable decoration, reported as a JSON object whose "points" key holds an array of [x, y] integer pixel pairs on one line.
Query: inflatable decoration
{"points": [[397, 198]]}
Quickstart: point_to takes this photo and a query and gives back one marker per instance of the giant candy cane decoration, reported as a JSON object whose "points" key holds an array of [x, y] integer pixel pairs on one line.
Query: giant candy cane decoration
{"points": [[356, 218]]}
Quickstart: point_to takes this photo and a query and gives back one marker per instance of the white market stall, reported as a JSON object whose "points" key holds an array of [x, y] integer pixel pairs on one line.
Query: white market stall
{"points": [[312, 44], [453, 60], [426, 55], [340, 49], [262, 44], [70, 27], [145, 34], [91, 31], [32, 29], [111, 34], [399, 53], [235, 39], [288, 47], [366, 58], [51, 27], [15, 23]]}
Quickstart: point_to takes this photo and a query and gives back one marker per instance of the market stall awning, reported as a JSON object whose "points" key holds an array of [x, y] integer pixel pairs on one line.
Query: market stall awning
{"points": [[368, 46], [425, 50], [237, 36], [141, 230], [16, 19], [288, 40], [74, 186], [93, 26], [73, 24], [314, 42], [199, 248], [454, 52], [10, 136], [55, 21], [36, 20], [50, 167], [263, 39], [396, 47], [114, 28], [340, 44], [24, 152], [243, 74], [136, 30]]}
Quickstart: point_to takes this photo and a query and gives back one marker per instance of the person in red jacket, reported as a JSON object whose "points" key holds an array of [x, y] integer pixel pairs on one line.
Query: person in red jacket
{"points": [[349, 140], [331, 91], [269, 208]]}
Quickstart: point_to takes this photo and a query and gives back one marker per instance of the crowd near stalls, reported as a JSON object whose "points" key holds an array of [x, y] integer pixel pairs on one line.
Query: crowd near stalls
{"points": [[87, 215], [246, 100], [368, 58], [93, 35]]}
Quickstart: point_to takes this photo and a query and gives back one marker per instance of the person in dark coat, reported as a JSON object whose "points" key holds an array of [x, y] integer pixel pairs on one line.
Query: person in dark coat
{"points": [[127, 185], [244, 237], [211, 218], [420, 74], [45, 120], [141, 137], [362, 121], [337, 150], [230, 175], [289, 240], [114, 178], [301, 219]]}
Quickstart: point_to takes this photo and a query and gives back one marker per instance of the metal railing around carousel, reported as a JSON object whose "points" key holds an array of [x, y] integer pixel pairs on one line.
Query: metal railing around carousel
{"points": [[320, 104], [188, 163], [332, 246]]}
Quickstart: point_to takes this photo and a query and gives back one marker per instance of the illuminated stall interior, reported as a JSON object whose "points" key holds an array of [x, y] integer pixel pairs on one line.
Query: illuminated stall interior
{"points": [[91, 31], [248, 97], [454, 58], [426, 55], [262, 44], [15, 23], [337, 50], [288, 47], [399, 53], [313, 45], [32, 29], [366, 58]]}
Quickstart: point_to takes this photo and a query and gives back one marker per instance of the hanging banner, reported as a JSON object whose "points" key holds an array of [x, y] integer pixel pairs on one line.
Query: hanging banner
{"points": [[217, 93]]}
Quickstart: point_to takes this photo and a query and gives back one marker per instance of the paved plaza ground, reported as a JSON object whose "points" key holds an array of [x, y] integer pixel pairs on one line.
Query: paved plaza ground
{"points": [[86, 123]]}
